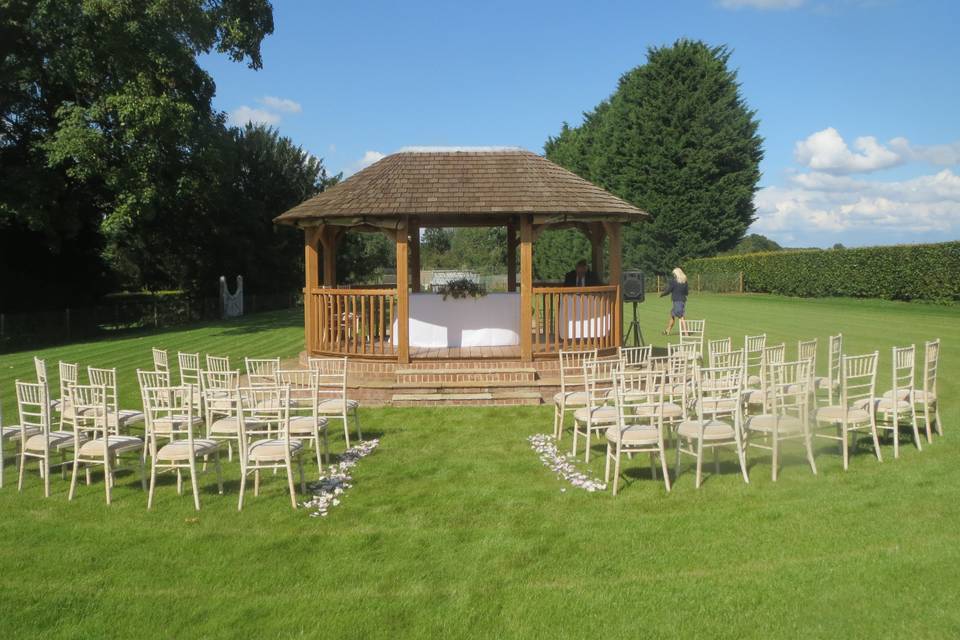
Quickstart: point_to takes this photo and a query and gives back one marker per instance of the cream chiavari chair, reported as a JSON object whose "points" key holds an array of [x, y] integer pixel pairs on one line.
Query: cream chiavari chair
{"points": [[635, 357], [597, 415], [719, 421], [15, 434], [831, 383], [927, 397], [189, 364], [166, 425], [856, 409], [306, 423], [677, 383], [265, 438], [218, 363], [95, 441], [176, 406], [38, 440], [788, 415], [331, 380], [261, 371], [693, 332], [689, 350], [118, 418], [161, 362], [753, 347], [760, 396], [716, 347], [222, 407], [896, 405], [639, 427], [573, 387], [69, 374]]}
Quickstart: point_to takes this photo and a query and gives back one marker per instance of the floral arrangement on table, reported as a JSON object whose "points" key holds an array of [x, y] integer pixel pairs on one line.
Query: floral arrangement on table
{"points": [[462, 288]]}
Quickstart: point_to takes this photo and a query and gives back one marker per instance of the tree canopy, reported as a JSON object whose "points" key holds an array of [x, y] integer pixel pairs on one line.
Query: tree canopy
{"points": [[675, 139]]}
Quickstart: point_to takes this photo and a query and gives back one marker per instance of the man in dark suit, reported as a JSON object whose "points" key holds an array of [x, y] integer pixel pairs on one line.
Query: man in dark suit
{"points": [[581, 276]]}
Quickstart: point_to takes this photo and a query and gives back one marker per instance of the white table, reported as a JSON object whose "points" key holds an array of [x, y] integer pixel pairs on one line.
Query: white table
{"points": [[490, 321]]}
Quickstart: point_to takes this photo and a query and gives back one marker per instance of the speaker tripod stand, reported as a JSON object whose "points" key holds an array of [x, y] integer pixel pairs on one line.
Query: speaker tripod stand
{"points": [[633, 336]]}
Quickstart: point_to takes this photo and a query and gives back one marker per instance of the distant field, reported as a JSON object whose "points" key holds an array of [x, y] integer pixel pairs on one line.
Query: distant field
{"points": [[454, 529]]}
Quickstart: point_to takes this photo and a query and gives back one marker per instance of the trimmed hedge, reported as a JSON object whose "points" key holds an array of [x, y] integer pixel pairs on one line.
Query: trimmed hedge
{"points": [[901, 272]]}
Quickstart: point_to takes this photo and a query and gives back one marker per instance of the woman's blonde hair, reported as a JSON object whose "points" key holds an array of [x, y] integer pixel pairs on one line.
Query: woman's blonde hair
{"points": [[680, 276]]}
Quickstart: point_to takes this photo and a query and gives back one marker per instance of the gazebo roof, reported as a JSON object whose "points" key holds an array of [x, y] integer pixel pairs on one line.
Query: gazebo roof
{"points": [[457, 184]]}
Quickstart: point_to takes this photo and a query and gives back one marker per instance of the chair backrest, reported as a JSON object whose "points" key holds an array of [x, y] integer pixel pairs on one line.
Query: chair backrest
{"points": [[600, 375], [639, 397], [753, 347], [693, 331], [635, 357], [303, 388], [189, 364], [219, 380], [33, 404], [153, 378], [90, 401], [931, 360], [723, 345], [172, 406], [218, 363], [859, 379], [69, 374], [677, 371], [331, 377], [904, 371], [106, 378], [40, 366], [571, 369], [216, 387], [807, 350], [775, 354], [691, 350], [835, 358], [718, 392], [261, 371], [727, 359], [264, 413], [160, 360], [790, 385]]}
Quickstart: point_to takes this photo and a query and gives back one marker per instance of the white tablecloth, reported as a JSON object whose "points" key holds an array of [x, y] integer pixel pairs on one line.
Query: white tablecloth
{"points": [[592, 326], [490, 321]]}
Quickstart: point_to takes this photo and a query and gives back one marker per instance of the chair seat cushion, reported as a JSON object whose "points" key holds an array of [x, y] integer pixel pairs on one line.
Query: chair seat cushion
{"points": [[15, 433], [303, 425], [753, 380], [671, 410], [719, 405], [272, 450], [228, 425], [58, 440], [754, 396], [919, 395], [886, 405], [180, 449], [835, 414], [573, 398], [822, 383], [169, 425], [116, 444], [637, 434], [712, 430], [597, 415], [767, 423], [336, 405]]}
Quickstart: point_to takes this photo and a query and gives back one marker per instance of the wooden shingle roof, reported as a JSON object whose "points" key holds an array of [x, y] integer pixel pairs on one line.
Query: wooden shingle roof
{"points": [[460, 183]]}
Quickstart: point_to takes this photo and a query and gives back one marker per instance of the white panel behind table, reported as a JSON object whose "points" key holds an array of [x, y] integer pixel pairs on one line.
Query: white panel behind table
{"points": [[593, 325], [490, 321]]}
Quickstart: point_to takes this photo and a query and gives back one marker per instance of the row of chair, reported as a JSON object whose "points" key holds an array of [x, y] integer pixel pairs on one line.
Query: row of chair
{"points": [[750, 397]]}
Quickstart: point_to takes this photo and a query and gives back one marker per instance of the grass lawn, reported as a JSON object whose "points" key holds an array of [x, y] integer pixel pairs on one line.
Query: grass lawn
{"points": [[453, 527]]}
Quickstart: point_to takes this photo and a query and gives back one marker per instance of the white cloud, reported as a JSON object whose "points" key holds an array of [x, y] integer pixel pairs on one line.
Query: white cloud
{"points": [[369, 157], [244, 114], [333, 148], [827, 151], [281, 104], [942, 154], [763, 5], [819, 202]]}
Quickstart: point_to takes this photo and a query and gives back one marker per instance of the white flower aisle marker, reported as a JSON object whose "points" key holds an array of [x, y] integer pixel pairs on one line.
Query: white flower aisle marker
{"points": [[326, 493], [560, 463]]}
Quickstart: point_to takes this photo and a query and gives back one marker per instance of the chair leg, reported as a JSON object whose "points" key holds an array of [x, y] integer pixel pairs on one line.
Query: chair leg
{"points": [[699, 462], [916, 429], [153, 483], [216, 462], [179, 482], [606, 467], [616, 472], [346, 429], [926, 421], [741, 456], [73, 480], [676, 473], [846, 448], [107, 475], [243, 486], [775, 457], [573, 451], [23, 466], [556, 424], [937, 414], [588, 443], [256, 482], [876, 438], [896, 431], [316, 446], [808, 441], [193, 483], [293, 494], [46, 475], [663, 467]]}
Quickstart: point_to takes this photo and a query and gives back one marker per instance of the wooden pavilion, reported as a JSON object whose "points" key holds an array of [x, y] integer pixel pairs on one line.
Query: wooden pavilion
{"points": [[410, 190]]}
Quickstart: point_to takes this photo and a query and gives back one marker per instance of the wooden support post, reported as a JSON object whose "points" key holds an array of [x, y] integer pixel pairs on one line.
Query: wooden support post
{"points": [[328, 238], [403, 295], [596, 249], [311, 268], [414, 256], [616, 272], [511, 256], [526, 287]]}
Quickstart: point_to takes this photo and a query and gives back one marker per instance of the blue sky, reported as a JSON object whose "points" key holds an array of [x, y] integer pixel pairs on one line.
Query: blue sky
{"points": [[858, 100]]}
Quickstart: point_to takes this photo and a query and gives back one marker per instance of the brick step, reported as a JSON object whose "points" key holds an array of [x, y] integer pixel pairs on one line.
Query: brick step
{"points": [[475, 398], [467, 374]]}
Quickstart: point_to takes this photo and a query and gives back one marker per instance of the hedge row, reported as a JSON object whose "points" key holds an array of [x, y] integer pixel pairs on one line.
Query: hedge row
{"points": [[902, 272]]}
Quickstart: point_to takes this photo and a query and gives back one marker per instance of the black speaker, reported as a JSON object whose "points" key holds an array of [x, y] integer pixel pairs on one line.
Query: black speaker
{"points": [[631, 286]]}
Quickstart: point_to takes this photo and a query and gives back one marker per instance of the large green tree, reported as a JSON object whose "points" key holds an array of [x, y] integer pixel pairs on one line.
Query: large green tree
{"points": [[677, 140], [107, 134]]}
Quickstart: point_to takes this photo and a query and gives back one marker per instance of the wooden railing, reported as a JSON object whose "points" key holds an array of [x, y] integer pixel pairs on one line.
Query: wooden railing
{"points": [[352, 321], [575, 318]]}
